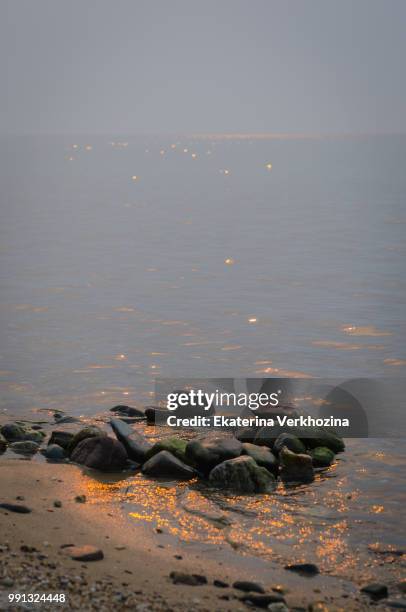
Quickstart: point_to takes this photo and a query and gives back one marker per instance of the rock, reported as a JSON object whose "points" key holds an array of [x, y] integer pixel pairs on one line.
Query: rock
{"points": [[100, 453], [242, 475], [261, 601], [34, 435], [246, 585], [165, 465], [7, 582], [91, 431], [375, 590], [310, 436], [262, 456], [127, 411], [295, 467], [18, 508], [80, 499], [84, 553], [322, 456], [205, 454], [54, 452], [61, 438], [65, 419], [189, 579], [402, 586], [397, 604], [24, 447], [155, 415], [57, 503], [291, 442], [135, 444], [15, 432], [220, 584], [304, 569], [3, 443], [175, 446], [12, 432]]}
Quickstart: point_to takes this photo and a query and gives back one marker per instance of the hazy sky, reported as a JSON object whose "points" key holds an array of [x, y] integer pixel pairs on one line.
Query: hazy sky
{"points": [[130, 66]]}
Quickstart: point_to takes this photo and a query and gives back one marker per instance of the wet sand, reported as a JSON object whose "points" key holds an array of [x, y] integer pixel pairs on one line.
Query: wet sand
{"points": [[137, 559]]}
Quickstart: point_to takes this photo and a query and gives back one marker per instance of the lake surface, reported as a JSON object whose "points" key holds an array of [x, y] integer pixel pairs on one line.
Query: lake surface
{"points": [[123, 259], [108, 281]]}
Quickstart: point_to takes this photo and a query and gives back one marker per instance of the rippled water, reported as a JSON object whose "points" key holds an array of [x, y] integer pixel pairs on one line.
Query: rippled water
{"points": [[122, 259]]}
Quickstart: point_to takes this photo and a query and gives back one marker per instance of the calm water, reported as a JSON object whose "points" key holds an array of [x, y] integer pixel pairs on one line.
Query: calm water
{"points": [[128, 258], [108, 281]]}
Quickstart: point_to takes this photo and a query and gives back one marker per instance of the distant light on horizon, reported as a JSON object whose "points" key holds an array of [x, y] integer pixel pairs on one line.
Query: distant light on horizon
{"points": [[269, 166], [229, 261]]}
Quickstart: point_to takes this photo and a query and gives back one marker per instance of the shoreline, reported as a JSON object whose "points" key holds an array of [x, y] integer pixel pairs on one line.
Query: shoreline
{"points": [[137, 559]]}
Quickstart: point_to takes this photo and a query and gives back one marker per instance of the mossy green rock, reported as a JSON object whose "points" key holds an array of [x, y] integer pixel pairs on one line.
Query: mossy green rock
{"points": [[34, 435], [92, 431], [175, 446], [322, 456], [290, 441], [262, 456], [13, 432], [24, 447], [312, 437], [242, 475]]}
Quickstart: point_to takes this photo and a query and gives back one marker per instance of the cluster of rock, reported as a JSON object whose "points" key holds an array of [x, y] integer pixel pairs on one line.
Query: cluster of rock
{"points": [[251, 462]]}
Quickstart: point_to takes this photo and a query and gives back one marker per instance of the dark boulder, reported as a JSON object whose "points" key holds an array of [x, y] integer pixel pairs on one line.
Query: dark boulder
{"points": [[261, 601], [295, 468], [127, 411], [376, 590], [310, 436], [17, 508], [290, 441], [304, 569], [156, 415], [205, 454], [262, 456], [189, 579], [135, 443], [165, 465], [242, 475], [100, 453], [61, 438], [12, 432], [247, 586], [54, 452], [91, 431]]}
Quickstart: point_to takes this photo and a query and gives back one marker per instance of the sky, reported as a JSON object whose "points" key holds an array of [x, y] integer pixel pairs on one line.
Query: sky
{"points": [[187, 66]]}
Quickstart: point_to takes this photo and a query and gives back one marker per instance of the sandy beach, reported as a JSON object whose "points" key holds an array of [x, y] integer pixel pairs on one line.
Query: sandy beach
{"points": [[135, 571]]}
